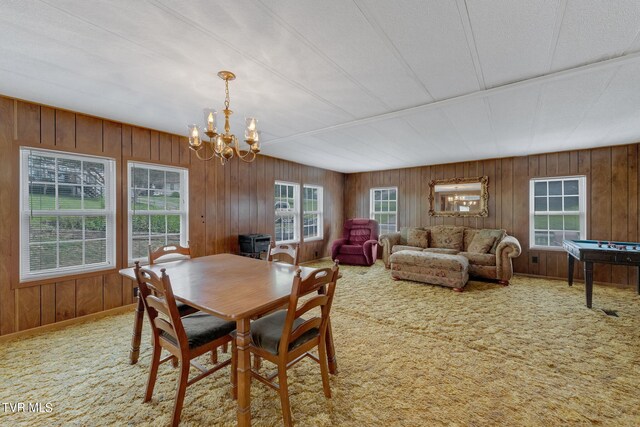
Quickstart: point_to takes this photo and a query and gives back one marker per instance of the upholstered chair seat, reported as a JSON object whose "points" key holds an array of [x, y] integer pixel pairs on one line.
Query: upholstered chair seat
{"points": [[266, 332], [202, 328]]}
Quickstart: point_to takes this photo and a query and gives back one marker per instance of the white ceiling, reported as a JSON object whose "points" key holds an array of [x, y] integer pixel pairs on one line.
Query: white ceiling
{"points": [[345, 85]]}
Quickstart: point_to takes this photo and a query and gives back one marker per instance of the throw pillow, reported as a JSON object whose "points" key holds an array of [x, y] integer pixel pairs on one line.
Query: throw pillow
{"points": [[418, 237], [481, 244], [499, 235], [446, 236]]}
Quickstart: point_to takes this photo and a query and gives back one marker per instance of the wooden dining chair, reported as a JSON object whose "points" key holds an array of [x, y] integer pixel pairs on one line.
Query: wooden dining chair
{"points": [[183, 309], [284, 253], [185, 338], [285, 337]]}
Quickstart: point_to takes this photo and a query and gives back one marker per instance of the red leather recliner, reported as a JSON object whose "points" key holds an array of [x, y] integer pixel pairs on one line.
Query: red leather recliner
{"points": [[359, 242]]}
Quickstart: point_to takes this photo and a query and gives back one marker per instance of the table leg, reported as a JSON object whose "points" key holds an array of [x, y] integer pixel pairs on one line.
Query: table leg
{"points": [[137, 332], [331, 350], [243, 383], [570, 264], [588, 281]]}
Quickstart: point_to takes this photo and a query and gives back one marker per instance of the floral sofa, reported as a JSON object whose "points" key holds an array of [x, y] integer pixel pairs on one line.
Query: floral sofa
{"points": [[488, 251]]}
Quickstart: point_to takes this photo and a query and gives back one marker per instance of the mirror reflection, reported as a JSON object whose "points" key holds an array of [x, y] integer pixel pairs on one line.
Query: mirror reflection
{"points": [[459, 197]]}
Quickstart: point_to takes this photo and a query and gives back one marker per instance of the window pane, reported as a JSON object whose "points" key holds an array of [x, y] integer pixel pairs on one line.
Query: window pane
{"points": [[393, 195], [41, 168], [140, 225], [95, 251], [555, 203], [572, 222], [69, 171], [173, 200], [173, 239], [555, 222], [70, 254], [555, 238], [157, 242], [173, 223], [140, 177], [140, 247], [156, 179], [70, 228], [94, 197], [69, 197], [139, 200], [158, 224], [571, 187], [571, 203], [541, 222], [172, 181], [42, 256], [540, 204], [42, 196], [542, 238], [377, 207], [572, 235], [93, 173], [377, 195], [540, 189], [95, 227], [43, 229], [555, 188], [156, 200]]}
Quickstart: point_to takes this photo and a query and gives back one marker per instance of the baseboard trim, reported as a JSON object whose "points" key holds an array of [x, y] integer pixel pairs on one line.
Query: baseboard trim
{"points": [[65, 323]]}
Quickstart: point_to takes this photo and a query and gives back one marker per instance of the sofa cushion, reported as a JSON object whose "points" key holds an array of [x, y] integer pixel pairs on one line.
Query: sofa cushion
{"points": [[418, 237], [431, 260], [479, 259], [481, 243], [445, 236], [441, 251], [351, 249], [398, 248], [469, 234], [404, 234]]}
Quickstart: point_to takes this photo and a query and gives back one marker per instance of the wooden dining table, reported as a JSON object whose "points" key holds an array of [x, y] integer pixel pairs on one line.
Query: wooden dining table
{"points": [[235, 288]]}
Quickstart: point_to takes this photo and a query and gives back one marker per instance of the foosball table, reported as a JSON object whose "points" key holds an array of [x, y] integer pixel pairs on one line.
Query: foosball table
{"points": [[597, 251]]}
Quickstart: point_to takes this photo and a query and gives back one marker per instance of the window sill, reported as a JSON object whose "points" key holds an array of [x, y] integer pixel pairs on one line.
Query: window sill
{"points": [[313, 239], [287, 242], [547, 248]]}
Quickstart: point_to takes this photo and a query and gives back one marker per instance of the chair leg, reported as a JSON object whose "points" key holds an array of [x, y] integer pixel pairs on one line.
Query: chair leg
{"points": [[224, 347], [257, 362], [234, 371], [137, 333], [214, 356], [284, 394], [153, 372], [324, 366], [182, 388]]}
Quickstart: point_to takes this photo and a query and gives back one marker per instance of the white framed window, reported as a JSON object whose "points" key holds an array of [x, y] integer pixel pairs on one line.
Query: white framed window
{"points": [[286, 199], [312, 208], [158, 208], [557, 211], [384, 208], [67, 213]]}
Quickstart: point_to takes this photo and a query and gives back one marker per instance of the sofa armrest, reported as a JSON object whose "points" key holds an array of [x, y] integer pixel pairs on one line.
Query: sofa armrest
{"points": [[508, 248], [388, 241], [370, 249], [335, 247]]}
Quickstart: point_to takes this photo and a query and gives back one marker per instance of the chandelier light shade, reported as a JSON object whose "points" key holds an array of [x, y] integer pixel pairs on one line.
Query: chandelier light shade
{"points": [[223, 145]]}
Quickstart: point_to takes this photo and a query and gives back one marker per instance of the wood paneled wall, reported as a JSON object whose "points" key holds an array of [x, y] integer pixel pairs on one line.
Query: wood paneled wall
{"points": [[223, 202], [612, 204]]}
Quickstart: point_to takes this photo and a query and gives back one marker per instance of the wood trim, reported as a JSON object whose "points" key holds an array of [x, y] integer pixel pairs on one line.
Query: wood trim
{"points": [[66, 323], [49, 280]]}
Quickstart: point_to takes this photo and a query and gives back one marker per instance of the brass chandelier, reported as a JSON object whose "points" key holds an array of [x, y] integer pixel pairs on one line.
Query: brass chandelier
{"points": [[224, 145]]}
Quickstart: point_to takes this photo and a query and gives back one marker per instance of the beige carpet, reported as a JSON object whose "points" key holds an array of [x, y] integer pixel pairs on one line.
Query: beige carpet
{"points": [[409, 354]]}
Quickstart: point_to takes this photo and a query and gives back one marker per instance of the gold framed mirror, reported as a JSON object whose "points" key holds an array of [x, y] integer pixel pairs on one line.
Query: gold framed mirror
{"points": [[460, 197]]}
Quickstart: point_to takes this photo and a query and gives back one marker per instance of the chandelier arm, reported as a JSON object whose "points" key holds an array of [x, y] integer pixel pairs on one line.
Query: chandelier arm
{"points": [[213, 153]]}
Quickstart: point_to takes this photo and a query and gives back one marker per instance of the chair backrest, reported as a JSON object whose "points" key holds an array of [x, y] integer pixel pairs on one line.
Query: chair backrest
{"points": [[288, 251], [359, 230], [167, 250], [157, 297], [322, 280]]}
